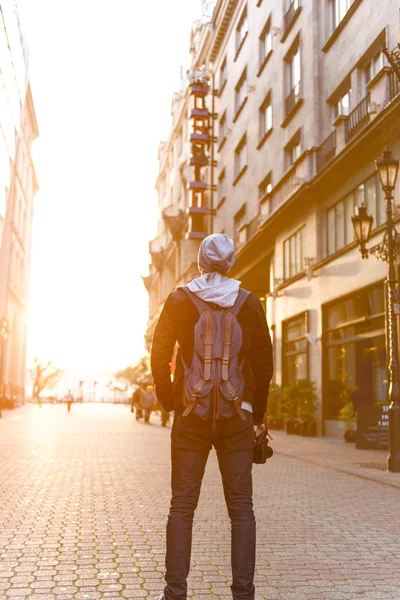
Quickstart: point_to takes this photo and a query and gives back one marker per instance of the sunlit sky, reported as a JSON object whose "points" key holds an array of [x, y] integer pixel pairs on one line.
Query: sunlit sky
{"points": [[102, 77]]}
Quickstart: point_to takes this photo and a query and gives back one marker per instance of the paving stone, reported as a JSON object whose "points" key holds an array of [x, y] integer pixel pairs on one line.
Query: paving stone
{"points": [[83, 514]]}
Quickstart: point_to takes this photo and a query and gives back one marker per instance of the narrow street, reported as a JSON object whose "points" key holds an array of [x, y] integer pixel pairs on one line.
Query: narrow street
{"points": [[84, 499]]}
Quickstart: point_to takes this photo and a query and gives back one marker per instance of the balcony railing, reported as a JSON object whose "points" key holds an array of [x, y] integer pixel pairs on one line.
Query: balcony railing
{"points": [[358, 119], [326, 151], [292, 99], [291, 15], [394, 86]]}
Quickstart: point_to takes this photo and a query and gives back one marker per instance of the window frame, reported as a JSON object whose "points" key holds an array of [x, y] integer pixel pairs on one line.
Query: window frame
{"points": [[242, 81], [263, 53], [222, 130], [289, 260], [304, 351], [240, 169], [240, 38], [223, 71], [263, 130]]}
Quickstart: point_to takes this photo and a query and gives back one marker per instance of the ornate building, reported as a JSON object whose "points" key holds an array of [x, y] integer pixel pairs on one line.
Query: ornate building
{"points": [[18, 186], [304, 101]]}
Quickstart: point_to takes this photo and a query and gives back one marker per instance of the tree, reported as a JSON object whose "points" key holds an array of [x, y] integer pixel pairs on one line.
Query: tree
{"points": [[136, 373], [43, 376]]}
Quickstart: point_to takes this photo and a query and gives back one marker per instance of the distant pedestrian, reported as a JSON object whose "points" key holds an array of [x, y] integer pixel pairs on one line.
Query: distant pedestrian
{"points": [[149, 402], [69, 399], [136, 402], [219, 394]]}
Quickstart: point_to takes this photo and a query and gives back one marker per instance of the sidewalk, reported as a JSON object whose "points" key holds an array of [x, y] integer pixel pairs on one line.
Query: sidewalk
{"points": [[336, 454], [17, 413]]}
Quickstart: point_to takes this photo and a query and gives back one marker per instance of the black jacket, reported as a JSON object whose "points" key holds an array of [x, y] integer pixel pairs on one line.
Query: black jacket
{"points": [[176, 324]]}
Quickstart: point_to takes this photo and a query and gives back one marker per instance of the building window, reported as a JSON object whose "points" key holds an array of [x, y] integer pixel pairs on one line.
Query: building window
{"points": [[339, 225], [293, 262], [241, 93], [265, 186], [240, 226], [223, 75], [341, 100], [241, 157], [222, 130], [265, 44], [265, 117], [221, 190], [242, 30], [293, 77], [293, 150], [339, 9], [354, 357], [294, 349], [372, 68], [340, 230]]}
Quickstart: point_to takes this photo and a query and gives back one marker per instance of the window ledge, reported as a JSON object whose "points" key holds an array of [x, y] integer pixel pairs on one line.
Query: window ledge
{"points": [[264, 139], [341, 25], [240, 47], [290, 26], [222, 88], [378, 77], [235, 118], [239, 176], [294, 110], [259, 2], [221, 144], [221, 202], [291, 280], [262, 66]]}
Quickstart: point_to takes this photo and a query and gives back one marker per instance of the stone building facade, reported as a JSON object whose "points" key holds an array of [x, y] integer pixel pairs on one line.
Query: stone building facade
{"points": [[305, 101], [18, 186]]}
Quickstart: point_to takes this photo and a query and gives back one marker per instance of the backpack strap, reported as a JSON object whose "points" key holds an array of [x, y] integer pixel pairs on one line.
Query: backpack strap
{"points": [[208, 343], [227, 346], [240, 300], [201, 305]]}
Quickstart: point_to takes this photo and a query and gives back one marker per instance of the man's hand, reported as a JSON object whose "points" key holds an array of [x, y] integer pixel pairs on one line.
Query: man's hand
{"points": [[259, 429]]}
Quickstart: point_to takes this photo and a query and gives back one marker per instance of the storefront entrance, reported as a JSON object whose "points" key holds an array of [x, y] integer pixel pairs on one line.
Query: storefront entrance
{"points": [[354, 351]]}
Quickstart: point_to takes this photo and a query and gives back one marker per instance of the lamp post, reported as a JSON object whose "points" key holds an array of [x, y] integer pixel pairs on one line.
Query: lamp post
{"points": [[4, 333], [386, 251]]}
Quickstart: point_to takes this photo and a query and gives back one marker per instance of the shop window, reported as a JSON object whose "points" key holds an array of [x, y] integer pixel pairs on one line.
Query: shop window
{"points": [[354, 354], [293, 259], [294, 349]]}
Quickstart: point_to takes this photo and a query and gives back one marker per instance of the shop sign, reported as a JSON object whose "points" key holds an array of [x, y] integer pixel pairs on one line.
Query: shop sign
{"points": [[372, 427]]}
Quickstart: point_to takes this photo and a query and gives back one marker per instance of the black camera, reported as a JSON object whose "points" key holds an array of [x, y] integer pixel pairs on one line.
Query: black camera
{"points": [[261, 450]]}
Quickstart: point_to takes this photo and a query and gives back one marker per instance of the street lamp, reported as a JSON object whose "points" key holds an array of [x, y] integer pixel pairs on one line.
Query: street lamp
{"points": [[386, 251]]}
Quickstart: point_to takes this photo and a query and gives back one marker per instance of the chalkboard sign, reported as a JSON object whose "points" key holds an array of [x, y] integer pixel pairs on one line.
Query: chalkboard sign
{"points": [[372, 428]]}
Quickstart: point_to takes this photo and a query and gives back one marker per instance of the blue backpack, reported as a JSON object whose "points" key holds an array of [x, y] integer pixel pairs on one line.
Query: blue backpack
{"points": [[214, 382]]}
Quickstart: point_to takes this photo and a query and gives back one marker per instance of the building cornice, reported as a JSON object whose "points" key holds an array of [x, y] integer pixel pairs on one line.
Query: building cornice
{"points": [[221, 20]]}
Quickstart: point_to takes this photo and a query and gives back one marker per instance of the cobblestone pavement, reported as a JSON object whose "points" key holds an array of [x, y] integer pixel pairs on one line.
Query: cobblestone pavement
{"points": [[84, 499]]}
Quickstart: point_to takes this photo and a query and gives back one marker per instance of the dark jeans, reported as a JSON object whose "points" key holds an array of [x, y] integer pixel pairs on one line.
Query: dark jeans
{"points": [[192, 440]]}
